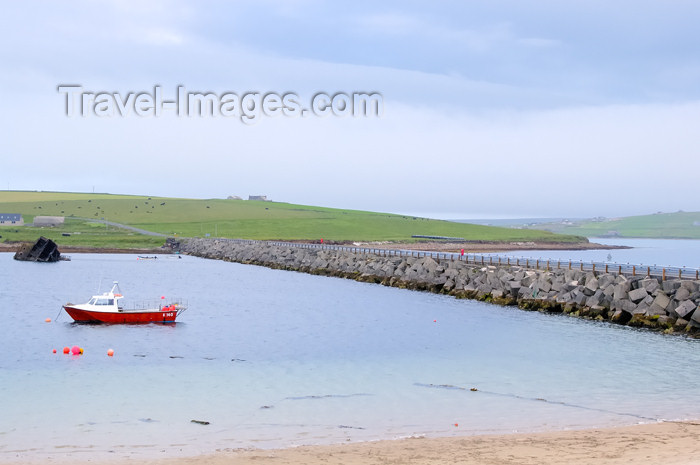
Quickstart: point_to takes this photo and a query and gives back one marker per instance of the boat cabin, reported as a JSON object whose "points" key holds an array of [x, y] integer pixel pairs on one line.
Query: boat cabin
{"points": [[101, 301]]}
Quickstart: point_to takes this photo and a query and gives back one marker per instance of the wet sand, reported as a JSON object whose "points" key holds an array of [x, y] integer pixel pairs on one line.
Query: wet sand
{"points": [[670, 443]]}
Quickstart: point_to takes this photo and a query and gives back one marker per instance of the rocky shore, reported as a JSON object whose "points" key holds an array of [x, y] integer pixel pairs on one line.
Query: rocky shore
{"points": [[15, 246], [669, 305], [489, 246]]}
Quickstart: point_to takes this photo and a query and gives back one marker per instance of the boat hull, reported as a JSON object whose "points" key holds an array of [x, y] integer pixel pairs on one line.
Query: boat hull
{"points": [[130, 317]]}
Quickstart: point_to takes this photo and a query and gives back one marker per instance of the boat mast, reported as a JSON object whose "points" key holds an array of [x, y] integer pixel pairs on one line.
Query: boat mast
{"points": [[115, 288]]}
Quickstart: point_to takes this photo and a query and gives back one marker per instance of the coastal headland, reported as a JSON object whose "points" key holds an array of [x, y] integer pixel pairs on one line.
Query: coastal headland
{"points": [[123, 221], [669, 305]]}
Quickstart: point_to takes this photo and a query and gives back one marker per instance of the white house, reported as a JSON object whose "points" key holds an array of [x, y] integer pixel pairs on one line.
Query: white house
{"points": [[11, 219]]}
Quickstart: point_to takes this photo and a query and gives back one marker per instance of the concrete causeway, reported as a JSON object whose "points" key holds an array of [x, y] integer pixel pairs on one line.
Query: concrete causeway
{"points": [[659, 303]]}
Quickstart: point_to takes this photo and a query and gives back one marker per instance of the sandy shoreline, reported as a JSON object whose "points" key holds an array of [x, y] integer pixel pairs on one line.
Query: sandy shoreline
{"points": [[669, 443]]}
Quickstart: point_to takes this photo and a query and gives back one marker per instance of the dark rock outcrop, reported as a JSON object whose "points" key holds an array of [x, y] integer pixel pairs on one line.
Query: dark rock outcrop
{"points": [[43, 250]]}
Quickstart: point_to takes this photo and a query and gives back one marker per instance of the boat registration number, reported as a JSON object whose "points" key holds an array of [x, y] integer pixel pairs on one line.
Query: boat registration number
{"points": [[168, 314]]}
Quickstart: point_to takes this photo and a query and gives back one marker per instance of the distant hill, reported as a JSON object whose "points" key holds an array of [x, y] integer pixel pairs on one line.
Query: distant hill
{"points": [[248, 219], [679, 225]]}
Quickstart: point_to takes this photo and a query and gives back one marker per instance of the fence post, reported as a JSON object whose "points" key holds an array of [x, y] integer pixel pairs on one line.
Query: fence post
{"points": [[619, 270], [648, 271], [537, 264], [569, 264], [527, 263], [606, 268], [634, 270], [663, 274]]}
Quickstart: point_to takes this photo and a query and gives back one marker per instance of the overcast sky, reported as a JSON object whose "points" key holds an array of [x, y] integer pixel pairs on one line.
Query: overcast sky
{"points": [[491, 108]]}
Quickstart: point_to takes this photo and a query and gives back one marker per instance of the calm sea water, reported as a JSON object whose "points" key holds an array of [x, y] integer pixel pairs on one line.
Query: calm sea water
{"points": [[275, 359], [649, 252]]}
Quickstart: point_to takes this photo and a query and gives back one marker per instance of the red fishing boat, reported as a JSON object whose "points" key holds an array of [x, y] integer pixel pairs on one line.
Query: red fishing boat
{"points": [[109, 308]]}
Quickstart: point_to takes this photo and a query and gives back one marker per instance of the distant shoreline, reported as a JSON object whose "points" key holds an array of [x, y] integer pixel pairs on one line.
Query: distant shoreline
{"points": [[67, 249], [455, 247], [487, 247]]}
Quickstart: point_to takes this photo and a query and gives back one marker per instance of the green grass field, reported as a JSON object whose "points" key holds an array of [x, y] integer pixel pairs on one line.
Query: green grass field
{"points": [[81, 233], [245, 219], [679, 225]]}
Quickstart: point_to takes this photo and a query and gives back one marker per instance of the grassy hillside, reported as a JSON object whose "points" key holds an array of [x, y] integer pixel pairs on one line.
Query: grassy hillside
{"points": [[680, 225], [252, 219], [81, 233]]}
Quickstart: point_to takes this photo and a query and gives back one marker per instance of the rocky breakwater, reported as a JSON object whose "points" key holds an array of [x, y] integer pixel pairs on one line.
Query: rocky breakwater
{"points": [[668, 305]]}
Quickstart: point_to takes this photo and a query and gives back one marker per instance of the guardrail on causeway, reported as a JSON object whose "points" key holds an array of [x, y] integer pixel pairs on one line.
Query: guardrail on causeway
{"points": [[662, 272]]}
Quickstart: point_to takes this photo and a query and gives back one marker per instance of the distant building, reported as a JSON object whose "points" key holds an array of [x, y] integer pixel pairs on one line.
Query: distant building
{"points": [[258, 197], [11, 219], [49, 220], [233, 197]]}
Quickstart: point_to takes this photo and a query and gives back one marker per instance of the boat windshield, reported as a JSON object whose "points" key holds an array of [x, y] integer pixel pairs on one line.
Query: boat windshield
{"points": [[104, 302], [92, 301]]}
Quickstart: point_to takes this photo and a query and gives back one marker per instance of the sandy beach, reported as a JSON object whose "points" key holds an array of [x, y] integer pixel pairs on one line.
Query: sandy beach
{"points": [[670, 443]]}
